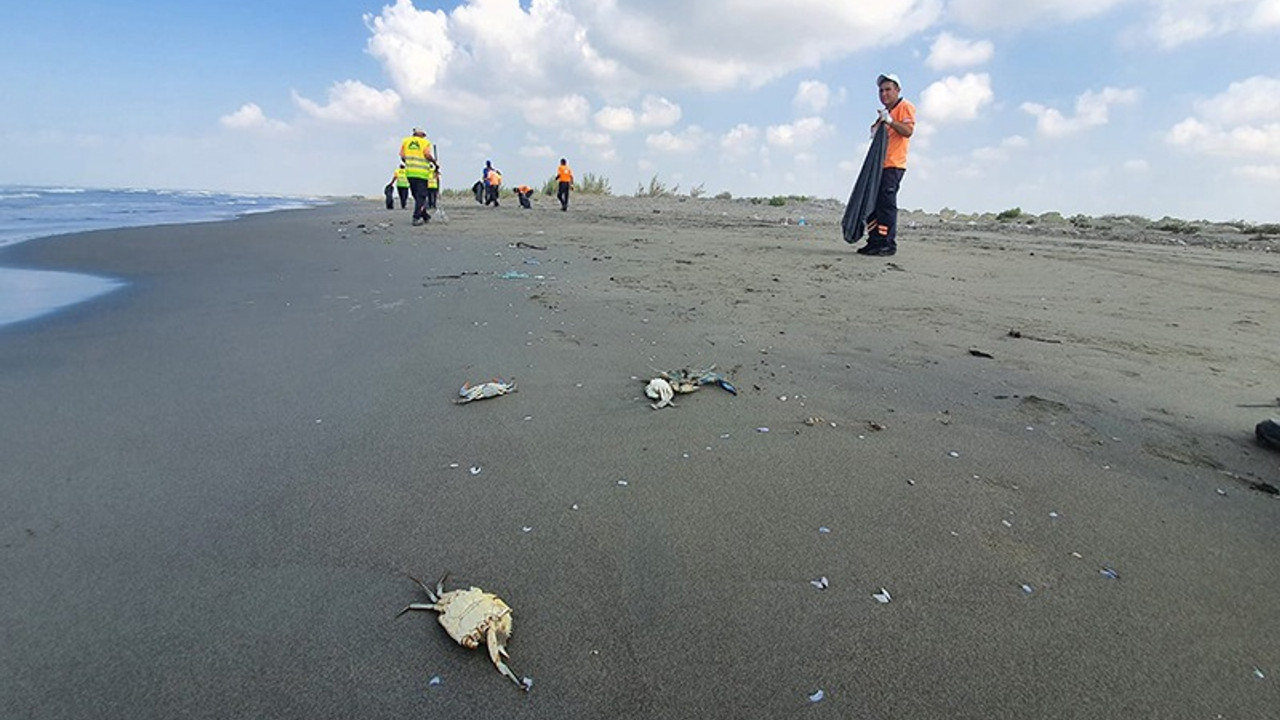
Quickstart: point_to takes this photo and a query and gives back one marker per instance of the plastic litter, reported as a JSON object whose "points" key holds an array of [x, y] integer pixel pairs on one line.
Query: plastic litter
{"points": [[475, 470], [1027, 589], [435, 680], [1257, 672], [623, 483], [526, 528], [514, 275], [762, 429], [954, 454], [527, 684], [1109, 573], [883, 597], [817, 696], [824, 530], [821, 583]]}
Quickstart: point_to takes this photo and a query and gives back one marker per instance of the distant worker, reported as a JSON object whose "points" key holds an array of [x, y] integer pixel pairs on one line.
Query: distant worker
{"points": [[402, 185], [899, 118], [492, 178], [565, 177], [524, 192], [419, 161], [433, 187]]}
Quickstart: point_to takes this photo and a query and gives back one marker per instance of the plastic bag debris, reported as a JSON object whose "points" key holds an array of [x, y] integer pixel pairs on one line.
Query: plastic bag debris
{"points": [[526, 529], [821, 583], [883, 597], [817, 696], [1109, 573], [527, 684], [493, 388]]}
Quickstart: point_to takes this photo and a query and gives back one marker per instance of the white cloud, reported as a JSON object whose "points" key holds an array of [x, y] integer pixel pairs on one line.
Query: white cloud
{"points": [[999, 153], [616, 119], [741, 140], [353, 102], [956, 98], [690, 139], [811, 97], [537, 151], [950, 52], [1177, 22], [1136, 165], [1242, 121], [658, 112], [554, 112], [1262, 173], [1002, 13], [800, 134], [251, 117], [1092, 110]]}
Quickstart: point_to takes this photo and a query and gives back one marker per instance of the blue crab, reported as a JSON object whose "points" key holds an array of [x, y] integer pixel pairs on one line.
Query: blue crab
{"points": [[471, 617]]}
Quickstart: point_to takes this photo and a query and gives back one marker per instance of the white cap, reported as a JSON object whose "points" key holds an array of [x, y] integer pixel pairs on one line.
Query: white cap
{"points": [[891, 77]]}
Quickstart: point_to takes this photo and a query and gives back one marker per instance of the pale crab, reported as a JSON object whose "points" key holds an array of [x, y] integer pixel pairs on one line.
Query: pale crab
{"points": [[493, 388], [471, 617]]}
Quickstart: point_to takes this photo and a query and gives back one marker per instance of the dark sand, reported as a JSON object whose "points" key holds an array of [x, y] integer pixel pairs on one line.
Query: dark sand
{"points": [[213, 481]]}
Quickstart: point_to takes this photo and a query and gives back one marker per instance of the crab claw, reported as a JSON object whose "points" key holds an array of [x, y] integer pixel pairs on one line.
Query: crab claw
{"points": [[497, 651]]}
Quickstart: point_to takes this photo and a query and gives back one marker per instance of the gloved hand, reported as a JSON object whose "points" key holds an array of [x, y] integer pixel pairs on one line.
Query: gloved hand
{"points": [[882, 115]]}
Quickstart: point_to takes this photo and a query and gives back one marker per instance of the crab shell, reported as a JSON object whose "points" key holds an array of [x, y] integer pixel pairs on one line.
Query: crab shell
{"points": [[472, 617], [467, 615]]}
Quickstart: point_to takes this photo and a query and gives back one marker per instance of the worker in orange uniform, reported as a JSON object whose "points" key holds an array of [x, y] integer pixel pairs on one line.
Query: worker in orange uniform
{"points": [[524, 193], [899, 118], [565, 176]]}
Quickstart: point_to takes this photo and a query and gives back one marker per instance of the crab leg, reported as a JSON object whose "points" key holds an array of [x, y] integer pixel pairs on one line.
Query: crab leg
{"points": [[496, 650], [418, 606]]}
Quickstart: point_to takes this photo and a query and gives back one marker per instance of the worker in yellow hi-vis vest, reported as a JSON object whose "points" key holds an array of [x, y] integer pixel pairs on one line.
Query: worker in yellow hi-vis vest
{"points": [[419, 161], [402, 185]]}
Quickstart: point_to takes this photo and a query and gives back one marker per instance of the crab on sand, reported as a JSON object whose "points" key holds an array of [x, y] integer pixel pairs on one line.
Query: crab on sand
{"points": [[471, 617]]}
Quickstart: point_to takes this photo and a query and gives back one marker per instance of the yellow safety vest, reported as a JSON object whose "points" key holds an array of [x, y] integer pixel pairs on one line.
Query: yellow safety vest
{"points": [[402, 178], [414, 151], [433, 176]]}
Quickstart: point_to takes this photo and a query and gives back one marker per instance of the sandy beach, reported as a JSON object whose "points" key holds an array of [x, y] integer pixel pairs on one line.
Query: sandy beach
{"points": [[1038, 439]]}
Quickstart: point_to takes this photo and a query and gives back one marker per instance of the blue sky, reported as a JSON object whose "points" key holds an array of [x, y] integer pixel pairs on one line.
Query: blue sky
{"points": [[1150, 107]]}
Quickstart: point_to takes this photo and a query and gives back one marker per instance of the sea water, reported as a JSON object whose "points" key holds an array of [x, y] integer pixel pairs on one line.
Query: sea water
{"points": [[29, 213]]}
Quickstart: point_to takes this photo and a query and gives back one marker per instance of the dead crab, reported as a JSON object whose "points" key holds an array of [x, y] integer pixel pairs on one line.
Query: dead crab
{"points": [[471, 617], [493, 388]]}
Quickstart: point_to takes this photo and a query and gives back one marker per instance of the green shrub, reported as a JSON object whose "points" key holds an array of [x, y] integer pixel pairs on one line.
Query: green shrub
{"points": [[1010, 214], [777, 201], [656, 188], [726, 195]]}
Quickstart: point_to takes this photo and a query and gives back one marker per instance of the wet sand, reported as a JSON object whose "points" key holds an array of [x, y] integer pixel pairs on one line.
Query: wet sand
{"points": [[215, 479]]}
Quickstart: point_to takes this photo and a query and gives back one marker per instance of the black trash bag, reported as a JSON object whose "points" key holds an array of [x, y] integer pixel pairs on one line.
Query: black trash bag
{"points": [[390, 191], [862, 201]]}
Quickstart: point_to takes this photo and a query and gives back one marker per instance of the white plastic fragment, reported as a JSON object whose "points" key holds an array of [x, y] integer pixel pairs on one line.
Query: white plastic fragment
{"points": [[762, 429], [1006, 523], [622, 483], [526, 528], [882, 597], [1054, 515], [453, 465], [1222, 492], [527, 683], [954, 454], [824, 529], [435, 680], [817, 696], [821, 583], [1257, 672], [575, 506], [1109, 573], [475, 469], [1027, 589]]}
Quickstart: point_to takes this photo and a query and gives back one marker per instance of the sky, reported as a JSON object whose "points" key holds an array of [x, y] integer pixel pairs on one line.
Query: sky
{"points": [[1146, 107]]}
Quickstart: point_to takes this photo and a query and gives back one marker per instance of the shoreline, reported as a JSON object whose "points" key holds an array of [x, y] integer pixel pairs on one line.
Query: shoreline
{"points": [[225, 472]]}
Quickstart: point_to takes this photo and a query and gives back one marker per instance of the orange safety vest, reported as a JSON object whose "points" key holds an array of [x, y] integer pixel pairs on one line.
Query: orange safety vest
{"points": [[564, 174], [895, 154]]}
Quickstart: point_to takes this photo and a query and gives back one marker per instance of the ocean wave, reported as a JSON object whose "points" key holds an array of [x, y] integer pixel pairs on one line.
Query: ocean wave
{"points": [[19, 196]]}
